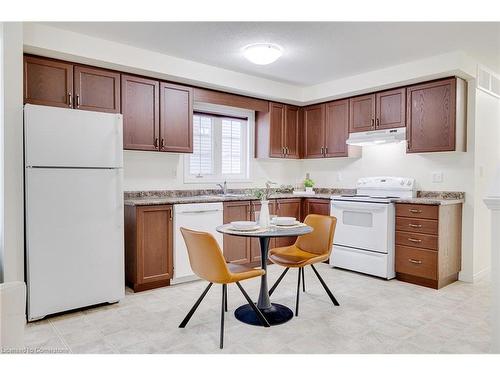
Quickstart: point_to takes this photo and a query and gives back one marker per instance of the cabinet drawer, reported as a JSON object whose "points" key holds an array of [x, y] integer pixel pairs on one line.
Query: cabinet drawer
{"points": [[417, 225], [423, 211], [425, 241], [416, 262]]}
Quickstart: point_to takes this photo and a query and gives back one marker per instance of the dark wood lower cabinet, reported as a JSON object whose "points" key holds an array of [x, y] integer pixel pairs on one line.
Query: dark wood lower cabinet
{"points": [[428, 243], [254, 242], [318, 206], [288, 207], [148, 246], [236, 249]]}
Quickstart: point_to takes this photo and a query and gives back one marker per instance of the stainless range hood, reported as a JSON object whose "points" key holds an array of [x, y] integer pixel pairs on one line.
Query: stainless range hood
{"points": [[377, 137]]}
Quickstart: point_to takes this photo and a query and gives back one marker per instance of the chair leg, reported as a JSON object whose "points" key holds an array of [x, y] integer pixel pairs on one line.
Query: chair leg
{"points": [[223, 307], [225, 303], [193, 309], [259, 314], [278, 281], [334, 300], [303, 280], [298, 293]]}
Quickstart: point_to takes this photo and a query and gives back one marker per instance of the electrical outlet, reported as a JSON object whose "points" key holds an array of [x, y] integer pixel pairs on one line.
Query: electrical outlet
{"points": [[437, 177]]}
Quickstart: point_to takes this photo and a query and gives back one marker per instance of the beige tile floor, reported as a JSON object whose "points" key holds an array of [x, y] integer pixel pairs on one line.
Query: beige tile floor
{"points": [[374, 316]]}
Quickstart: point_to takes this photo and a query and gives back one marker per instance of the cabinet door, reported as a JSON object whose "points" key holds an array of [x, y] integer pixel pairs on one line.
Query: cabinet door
{"points": [[276, 130], [291, 132], [316, 206], [176, 118], [292, 208], [314, 131], [97, 89], [154, 243], [236, 249], [362, 113], [336, 128], [141, 113], [431, 116], [48, 82], [254, 242], [391, 109]]}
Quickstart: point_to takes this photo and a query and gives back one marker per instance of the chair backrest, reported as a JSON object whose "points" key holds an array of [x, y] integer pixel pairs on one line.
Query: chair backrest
{"points": [[205, 256], [320, 240]]}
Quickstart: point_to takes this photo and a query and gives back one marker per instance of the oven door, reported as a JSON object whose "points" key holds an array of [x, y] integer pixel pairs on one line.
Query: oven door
{"points": [[363, 225]]}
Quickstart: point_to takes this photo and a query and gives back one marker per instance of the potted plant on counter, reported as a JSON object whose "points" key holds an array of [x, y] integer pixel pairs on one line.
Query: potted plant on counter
{"points": [[309, 184]]}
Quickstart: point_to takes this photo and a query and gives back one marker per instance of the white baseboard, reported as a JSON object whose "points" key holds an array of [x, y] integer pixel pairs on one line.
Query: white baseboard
{"points": [[481, 274]]}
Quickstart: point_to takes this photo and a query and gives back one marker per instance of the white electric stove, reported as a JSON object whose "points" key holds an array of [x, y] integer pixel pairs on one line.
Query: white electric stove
{"points": [[364, 236]]}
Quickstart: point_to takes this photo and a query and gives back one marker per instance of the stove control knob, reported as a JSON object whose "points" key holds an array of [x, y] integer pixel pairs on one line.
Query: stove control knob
{"points": [[408, 182], [402, 182]]}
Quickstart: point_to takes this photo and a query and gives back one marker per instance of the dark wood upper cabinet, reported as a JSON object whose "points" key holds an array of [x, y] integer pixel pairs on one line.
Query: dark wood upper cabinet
{"points": [[362, 113], [314, 131], [336, 128], [276, 133], [141, 113], [236, 249], [436, 116], [48, 82], [96, 89], [148, 246], [291, 132], [391, 109], [176, 118]]}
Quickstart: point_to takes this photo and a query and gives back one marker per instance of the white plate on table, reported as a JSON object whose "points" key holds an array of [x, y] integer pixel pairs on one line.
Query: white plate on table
{"points": [[244, 225], [285, 221]]}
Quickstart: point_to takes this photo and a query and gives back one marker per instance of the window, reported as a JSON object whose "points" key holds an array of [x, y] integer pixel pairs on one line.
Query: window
{"points": [[220, 149]]}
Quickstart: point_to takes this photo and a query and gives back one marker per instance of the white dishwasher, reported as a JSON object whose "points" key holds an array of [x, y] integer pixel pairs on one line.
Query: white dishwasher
{"points": [[197, 216]]}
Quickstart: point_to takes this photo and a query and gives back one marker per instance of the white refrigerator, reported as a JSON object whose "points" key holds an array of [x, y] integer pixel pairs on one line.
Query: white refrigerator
{"points": [[73, 209]]}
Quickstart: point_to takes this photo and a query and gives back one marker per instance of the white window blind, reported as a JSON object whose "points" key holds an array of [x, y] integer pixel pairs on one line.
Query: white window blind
{"points": [[201, 161], [231, 147], [220, 149]]}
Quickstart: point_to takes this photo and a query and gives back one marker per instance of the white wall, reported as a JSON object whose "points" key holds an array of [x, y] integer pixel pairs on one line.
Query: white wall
{"points": [[13, 199], [160, 171], [487, 160]]}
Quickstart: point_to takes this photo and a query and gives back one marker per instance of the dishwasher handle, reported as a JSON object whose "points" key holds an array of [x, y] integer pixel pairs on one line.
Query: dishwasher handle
{"points": [[200, 211]]}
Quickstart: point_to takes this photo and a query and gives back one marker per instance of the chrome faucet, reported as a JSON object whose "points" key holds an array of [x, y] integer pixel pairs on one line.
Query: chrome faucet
{"points": [[223, 187]]}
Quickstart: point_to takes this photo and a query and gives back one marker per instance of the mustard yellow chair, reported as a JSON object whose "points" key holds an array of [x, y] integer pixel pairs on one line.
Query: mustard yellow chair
{"points": [[207, 261], [311, 248]]}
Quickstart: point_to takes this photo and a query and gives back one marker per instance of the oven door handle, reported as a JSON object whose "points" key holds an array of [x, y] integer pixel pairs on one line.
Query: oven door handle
{"points": [[364, 207]]}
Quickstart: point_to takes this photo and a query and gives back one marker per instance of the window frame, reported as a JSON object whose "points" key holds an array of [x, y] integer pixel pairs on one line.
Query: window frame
{"points": [[220, 113]]}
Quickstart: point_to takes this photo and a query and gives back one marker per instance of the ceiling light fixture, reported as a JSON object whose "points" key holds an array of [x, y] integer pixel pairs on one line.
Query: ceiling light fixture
{"points": [[262, 53]]}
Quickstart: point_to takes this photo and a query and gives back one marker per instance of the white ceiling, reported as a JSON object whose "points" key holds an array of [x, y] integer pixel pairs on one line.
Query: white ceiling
{"points": [[315, 52]]}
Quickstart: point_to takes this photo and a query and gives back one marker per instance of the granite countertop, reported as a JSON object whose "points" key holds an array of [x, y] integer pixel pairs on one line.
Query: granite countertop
{"points": [[158, 200], [429, 201], [151, 198]]}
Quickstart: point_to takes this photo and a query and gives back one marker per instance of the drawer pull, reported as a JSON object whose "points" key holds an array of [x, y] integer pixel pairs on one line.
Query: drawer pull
{"points": [[415, 261], [415, 225], [415, 211], [414, 240]]}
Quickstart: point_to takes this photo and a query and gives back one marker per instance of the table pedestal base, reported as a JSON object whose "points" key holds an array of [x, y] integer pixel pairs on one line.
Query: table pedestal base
{"points": [[276, 314]]}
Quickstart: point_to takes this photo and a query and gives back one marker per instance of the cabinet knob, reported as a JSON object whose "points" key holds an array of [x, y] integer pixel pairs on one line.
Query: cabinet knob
{"points": [[414, 240], [415, 211], [162, 142], [322, 150], [377, 123], [415, 225], [326, 150], [78, 101], [156, 143], [372, 122], [415, 261], [70, 99]]}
